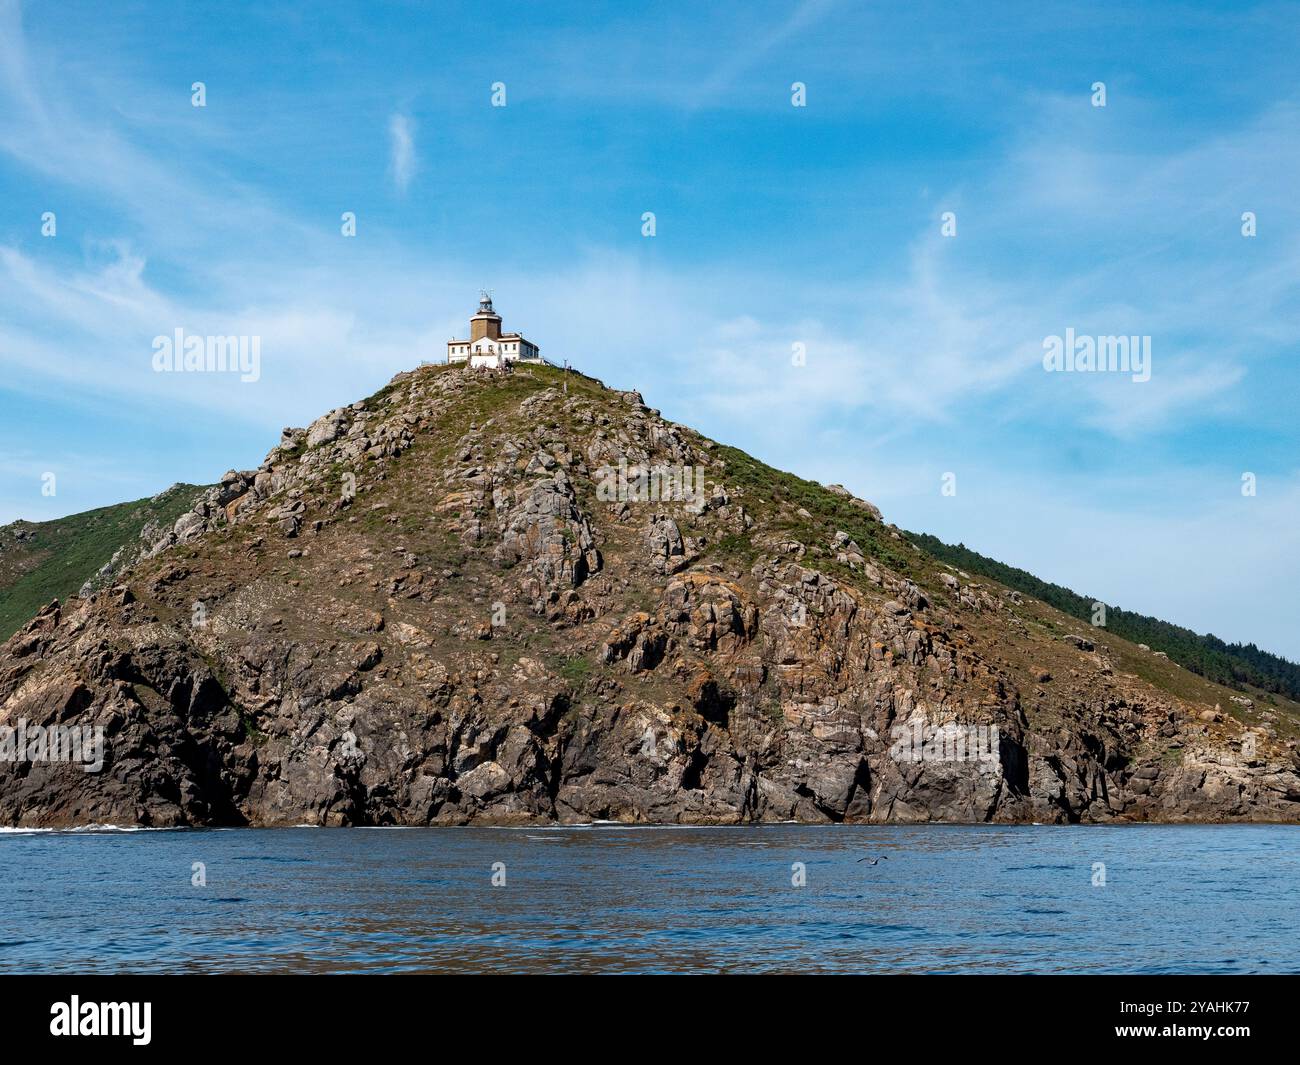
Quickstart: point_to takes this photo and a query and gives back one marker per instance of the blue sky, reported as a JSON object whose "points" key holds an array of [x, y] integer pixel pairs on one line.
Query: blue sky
{"points": [[776, 225]]}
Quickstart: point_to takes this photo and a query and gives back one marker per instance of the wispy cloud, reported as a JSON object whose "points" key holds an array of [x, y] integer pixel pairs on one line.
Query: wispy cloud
{"points": [[401, 140], [741, 57]]}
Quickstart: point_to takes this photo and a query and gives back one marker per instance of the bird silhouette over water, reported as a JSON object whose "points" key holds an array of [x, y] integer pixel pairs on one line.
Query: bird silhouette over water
{"points": [[883, 857]]}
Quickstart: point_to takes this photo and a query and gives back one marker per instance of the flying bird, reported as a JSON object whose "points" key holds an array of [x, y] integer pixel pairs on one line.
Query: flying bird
{"points": [[884, 857]]}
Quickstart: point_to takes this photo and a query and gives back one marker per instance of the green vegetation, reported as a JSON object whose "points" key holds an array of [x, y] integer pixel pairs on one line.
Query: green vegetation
{"points": [[574, 670], [252, 733], [288, 454], [737, 547], [770, 495], [1233, 665], [59, 556]]}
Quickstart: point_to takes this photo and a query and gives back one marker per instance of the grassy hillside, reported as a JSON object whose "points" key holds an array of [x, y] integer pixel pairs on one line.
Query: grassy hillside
{"points": [[40, 561], [1231, 664]]}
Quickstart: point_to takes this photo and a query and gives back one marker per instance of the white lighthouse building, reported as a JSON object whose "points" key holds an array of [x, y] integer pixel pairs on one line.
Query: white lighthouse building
{"points": [[487, 347]]}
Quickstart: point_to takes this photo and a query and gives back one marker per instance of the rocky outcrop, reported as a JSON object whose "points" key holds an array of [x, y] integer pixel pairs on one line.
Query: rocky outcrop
{"points": [[429, 608]]}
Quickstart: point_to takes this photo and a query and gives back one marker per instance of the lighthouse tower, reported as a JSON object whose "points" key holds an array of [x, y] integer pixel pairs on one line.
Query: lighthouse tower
{"points": [[486, 323]]}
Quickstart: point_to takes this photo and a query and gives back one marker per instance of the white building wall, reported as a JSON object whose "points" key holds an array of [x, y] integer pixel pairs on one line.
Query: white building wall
{"points": [[512, 350]]}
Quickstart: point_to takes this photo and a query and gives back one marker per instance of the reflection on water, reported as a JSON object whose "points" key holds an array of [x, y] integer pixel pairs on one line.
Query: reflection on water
{"points": [[614, 898]]}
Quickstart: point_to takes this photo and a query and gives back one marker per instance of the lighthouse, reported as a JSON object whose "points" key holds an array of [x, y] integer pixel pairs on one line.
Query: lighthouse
{"points": [[487, 347]]}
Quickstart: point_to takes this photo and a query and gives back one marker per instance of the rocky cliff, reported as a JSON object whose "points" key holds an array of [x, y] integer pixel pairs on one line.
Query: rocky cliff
{"points": [[528, 597]]}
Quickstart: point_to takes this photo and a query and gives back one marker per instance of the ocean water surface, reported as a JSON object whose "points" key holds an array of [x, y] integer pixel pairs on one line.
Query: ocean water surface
{"points": [[789, 898]]}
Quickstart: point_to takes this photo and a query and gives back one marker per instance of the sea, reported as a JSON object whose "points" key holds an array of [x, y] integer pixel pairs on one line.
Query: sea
{"points": [[645, 899]]}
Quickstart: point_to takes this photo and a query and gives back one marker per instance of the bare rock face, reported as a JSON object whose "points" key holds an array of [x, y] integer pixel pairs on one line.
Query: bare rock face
{"points": [[429, 608], [665, 548], [544, 529]]}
